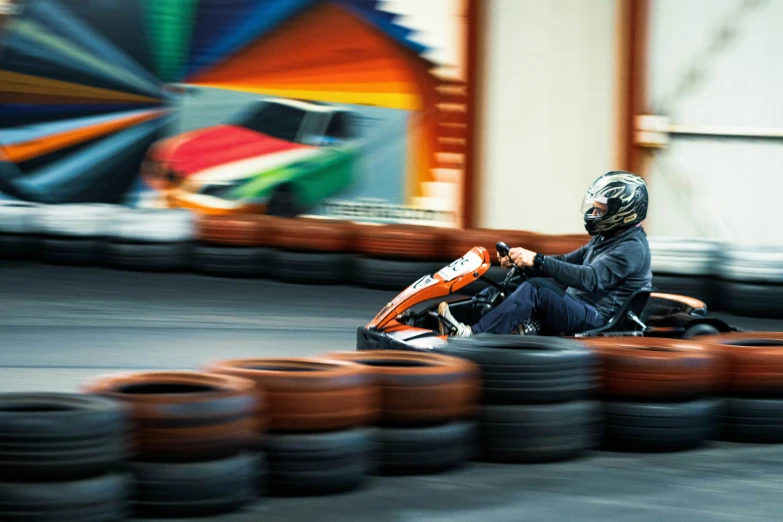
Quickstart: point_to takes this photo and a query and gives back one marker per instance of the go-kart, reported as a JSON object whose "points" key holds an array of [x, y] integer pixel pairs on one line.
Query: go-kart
{"points": [[410, 321]]}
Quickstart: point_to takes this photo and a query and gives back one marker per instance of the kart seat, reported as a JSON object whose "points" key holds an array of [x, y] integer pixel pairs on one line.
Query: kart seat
{"points": [[625, 320]]}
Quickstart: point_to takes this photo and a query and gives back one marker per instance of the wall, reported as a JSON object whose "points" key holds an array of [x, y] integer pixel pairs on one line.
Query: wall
{"points": [[717, 63], [550, 98]]}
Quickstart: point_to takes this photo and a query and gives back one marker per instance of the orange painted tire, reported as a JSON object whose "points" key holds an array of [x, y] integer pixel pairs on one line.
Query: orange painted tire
{"points": [[186, 416], [309, 394], [558, 244], [459, 241], [753, 362], [314, 235], [410, 242], [655, 368], [420, 388], [237, 230]]}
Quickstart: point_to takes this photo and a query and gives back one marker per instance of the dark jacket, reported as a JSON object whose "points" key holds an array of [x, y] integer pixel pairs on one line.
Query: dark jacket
{"points": [[604, 272]]}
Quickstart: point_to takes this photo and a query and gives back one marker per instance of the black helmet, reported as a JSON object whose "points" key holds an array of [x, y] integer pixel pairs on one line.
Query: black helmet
{"points": [[625, 195]]}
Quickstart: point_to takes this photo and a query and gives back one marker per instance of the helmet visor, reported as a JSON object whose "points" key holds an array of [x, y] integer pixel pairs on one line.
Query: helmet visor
{"points": [[590, 199]]}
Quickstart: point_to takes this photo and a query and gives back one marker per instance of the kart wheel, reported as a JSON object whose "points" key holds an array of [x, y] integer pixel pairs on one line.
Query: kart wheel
{"points": [[60, 436], [186, 416], [419, 388], [539, 432], [99, 499], [669, 426], [319, 463], [700, 329], [309, 394], [196, 488]]}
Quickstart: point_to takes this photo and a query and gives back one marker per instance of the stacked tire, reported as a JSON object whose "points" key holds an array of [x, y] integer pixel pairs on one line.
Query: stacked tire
{"points": [[751, 387], [751, 281], [72, 233], [657, 393], [150, 240], [392, 257], [17, 230], [61, 458], [537, 396], [427, 409], [192, 433], [319, 412], [684, 266], [314, 251], [236, 246]]}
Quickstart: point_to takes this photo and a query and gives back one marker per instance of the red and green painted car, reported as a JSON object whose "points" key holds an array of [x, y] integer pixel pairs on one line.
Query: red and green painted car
{"points": [[283, 157]]}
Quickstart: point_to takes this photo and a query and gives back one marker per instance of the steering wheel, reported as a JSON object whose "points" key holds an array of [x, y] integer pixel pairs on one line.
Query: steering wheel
{"points": [[503, 288]]}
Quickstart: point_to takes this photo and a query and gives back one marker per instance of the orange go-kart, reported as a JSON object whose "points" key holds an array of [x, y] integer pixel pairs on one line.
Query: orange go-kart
{"points": [[410, 320]]}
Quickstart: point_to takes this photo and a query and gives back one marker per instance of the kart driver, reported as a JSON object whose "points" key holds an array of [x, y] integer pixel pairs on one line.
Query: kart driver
{"points": [[599, 276]]}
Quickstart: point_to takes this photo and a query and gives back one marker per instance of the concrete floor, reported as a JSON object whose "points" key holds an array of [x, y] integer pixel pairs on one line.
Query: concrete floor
{"points": [[60, 326]]}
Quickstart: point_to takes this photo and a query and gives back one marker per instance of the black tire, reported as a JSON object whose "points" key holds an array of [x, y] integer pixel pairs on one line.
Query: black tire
{"points": [[387, 274], [229, 261], [72, 251], [659, 426], [411, 451], [59, 436], [539, 432], [18, 246], [319, 463], [99, 499], [698, 330], [528, 370], [752, 299], [197, 488], [285, 202], [153, 257], [752, 420], [313, 267]]}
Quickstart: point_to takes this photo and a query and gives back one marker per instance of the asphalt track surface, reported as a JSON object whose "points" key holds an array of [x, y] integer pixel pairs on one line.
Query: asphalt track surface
{"points": [[60, 326]]}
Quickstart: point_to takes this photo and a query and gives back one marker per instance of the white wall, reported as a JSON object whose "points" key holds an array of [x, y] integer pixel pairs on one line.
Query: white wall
{"points": [[717, 188], [549, 111]]}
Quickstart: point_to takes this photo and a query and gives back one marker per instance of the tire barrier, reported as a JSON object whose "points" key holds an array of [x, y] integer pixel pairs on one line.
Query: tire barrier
{"points": [[188, 429], [314, 251], [71, 234], [236, 246], [318, 410], [751, 281], [657, 393], [428, 403], [391, 257], [752, 387], [150, 240], [17, 230], [685, 266], [61, 457], [537, 399], [741, 280]]}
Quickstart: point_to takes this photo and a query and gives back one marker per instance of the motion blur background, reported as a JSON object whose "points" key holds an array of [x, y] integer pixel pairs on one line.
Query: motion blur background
{"points": [[466, 113]]}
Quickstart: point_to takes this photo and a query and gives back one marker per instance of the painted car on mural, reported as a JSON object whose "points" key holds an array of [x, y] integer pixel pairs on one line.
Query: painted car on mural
{"points": [[282, 157]]}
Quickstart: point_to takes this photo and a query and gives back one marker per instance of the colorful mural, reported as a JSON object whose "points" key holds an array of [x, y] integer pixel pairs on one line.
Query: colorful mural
{"points": [[347, 108]]}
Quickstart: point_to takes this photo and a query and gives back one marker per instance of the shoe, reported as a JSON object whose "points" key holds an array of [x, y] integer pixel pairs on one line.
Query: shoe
{"points": [[450, 326]]}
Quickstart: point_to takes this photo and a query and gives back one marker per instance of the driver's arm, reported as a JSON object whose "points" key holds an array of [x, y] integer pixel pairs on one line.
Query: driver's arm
{"points": [[576, 257], [607, 271]]}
